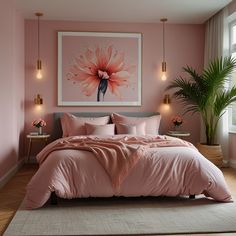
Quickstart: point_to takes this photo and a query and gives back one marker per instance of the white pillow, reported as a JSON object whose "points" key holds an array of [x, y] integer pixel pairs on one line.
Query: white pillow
{"points": [[92, 129]]}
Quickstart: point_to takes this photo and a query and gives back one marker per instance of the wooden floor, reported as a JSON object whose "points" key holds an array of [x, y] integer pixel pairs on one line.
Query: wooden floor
{"points": [[12, 194]]}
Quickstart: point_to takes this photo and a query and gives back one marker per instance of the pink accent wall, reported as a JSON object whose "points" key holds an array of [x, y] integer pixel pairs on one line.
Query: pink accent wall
{"points": [[231, 7], [184, 45], [12, 86]]}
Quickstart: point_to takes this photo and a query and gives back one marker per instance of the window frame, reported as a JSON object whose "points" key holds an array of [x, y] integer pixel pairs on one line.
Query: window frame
{"points": [[232, 49]]}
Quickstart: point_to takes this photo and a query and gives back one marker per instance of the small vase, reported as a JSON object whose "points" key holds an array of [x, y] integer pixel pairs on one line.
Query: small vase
{"points": [[40, 130], [177, 128]]}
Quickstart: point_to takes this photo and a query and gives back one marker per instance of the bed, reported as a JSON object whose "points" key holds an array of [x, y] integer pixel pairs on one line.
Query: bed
{"points": [[138, 164]]}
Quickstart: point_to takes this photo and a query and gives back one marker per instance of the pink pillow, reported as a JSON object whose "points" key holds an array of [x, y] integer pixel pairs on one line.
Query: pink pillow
{"points": [[152, 122], [74, 125], [138, 129], [100, 129]]}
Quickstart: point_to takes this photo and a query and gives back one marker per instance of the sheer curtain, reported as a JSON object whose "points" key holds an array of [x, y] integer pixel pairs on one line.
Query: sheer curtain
{"points": [[217, 45]]}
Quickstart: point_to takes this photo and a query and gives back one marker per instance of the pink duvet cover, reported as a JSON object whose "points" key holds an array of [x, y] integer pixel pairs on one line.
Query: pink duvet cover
{"points": [[166, 166]]}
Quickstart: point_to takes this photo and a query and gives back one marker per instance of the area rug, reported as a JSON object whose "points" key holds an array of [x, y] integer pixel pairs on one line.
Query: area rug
{"points": [[126, 216]]}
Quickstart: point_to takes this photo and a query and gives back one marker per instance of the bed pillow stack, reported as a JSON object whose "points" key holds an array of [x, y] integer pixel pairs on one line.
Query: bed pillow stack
{"points": [[142, 125], [73, 125]]}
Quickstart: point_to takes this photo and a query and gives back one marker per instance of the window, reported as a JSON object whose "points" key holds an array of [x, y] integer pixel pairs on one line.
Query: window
{"points": [[232, 41]]}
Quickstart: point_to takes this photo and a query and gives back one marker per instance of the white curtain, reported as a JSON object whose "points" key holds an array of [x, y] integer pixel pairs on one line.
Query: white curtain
{"points": [[217, 45]]}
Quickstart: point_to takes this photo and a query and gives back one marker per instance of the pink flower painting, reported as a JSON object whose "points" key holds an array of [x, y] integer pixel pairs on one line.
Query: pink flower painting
{"points": [[100, 69]]}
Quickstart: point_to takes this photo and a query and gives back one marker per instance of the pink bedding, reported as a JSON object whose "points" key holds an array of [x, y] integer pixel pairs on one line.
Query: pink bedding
{"points": [[157, 165]]}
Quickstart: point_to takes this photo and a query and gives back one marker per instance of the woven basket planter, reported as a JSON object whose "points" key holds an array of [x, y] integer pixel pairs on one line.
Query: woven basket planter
{"points": [[212, 152]]}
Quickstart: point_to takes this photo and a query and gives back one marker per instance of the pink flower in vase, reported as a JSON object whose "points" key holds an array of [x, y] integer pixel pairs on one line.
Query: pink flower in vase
{"points": [[177, 121], [39, 124]]}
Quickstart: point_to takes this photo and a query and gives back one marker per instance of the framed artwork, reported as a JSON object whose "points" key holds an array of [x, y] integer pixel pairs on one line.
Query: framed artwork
{"points": [[99, 69]]}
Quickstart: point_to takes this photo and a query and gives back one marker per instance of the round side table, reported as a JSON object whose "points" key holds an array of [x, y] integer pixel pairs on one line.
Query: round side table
{"points": [[36, 138]]}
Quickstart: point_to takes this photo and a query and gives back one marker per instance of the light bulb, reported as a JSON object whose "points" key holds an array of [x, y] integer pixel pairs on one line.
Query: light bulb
{"points": [[163, 76], [166, 107], [39, 74], [38, 108]]}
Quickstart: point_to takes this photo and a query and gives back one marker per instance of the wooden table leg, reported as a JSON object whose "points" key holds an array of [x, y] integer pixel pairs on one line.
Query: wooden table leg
{"points": [[46, 142], [29, 150]]}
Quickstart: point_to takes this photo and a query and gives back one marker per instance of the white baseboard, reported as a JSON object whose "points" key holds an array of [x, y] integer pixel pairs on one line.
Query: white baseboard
{"points": [[225, 163], [232, 163], [229, 163], [11, 173]]}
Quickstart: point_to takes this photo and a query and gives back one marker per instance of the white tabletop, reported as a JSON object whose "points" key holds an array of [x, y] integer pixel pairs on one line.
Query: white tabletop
{"points": [[178, 133], [38, 136]]}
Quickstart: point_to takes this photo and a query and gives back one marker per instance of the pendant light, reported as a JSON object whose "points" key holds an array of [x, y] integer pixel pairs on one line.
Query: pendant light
{"points": [[163, 65], [39, 62]]}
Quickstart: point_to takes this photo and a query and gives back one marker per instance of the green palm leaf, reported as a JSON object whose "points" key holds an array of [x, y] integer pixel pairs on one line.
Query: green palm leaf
{"points": [[205, 93], [223, 100]]}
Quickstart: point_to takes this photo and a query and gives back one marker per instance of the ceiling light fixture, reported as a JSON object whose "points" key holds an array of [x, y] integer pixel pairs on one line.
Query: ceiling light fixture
{"points": [[163, 65], [39, 62]]}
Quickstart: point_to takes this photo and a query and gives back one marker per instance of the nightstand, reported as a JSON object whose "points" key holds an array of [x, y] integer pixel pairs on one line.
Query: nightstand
{"points": [[178, 134], [36, 138]]}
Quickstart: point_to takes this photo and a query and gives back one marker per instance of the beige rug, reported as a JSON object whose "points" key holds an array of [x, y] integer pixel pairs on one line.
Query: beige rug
{"points": [[132, 216]]}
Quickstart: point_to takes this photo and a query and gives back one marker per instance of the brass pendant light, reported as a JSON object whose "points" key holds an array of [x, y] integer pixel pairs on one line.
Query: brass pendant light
{"points": [[39, 62], [163, 65]]}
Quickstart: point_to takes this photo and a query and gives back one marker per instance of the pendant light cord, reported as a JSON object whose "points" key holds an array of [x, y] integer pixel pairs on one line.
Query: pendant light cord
{"points": [[163, 41], [38, 39], [163, 20], [38, 14]]}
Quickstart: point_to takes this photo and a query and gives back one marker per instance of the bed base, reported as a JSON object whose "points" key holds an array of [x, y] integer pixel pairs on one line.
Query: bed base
{"points": [[54, 199]]}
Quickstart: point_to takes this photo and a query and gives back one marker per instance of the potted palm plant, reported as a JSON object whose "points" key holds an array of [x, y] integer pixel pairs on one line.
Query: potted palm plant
{"points": [[206, 94]]}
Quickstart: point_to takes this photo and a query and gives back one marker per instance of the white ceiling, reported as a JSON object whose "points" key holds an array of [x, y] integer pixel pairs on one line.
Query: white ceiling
{"points": [[146, 11]]}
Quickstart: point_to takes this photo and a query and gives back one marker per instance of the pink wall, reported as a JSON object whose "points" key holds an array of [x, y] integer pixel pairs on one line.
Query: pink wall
{"points": [[12, 85], [184, 45], [232, 7]]}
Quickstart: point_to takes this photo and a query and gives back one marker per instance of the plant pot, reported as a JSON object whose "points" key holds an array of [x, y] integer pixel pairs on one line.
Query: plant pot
{"points": [[212, 152]]}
